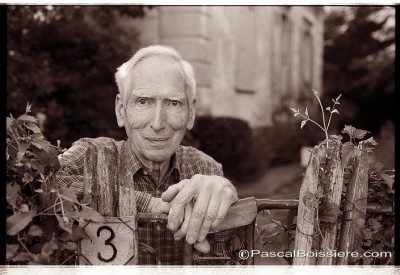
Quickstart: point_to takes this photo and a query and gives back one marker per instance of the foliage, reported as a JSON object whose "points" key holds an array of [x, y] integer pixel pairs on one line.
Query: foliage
{"points": [[325, 126], [63, 60], [378, 231], [44, 221], [359, 56], [227, 140]]}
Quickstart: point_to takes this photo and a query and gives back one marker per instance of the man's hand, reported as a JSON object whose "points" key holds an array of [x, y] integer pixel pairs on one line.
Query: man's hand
{"points": [[158, 206], [212, 196]]}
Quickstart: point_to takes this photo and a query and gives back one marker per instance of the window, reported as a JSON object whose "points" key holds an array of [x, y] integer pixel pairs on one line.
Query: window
{"points": [[245, 38]]}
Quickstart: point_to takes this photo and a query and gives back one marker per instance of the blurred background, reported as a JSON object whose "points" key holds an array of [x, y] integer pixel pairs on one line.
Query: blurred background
{"points": [[251, 63]]}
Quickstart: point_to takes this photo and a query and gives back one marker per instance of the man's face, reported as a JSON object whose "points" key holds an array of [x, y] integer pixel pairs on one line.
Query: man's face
{"points": [[155, 109]]}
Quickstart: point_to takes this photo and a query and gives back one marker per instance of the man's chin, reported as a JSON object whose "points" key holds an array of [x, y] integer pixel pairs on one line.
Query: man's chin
{"points": [[158, 156]]}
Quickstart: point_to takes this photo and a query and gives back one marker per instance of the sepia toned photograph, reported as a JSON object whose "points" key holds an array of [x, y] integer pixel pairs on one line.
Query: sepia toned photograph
{"points": [[187, 135]]}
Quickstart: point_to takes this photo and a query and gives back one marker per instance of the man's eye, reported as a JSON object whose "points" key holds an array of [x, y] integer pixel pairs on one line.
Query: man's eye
{"points": [[175, 103], [143, 101]]}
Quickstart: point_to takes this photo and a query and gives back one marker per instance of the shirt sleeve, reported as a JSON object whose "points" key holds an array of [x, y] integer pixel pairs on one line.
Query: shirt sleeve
{"points": [[71, 173]]}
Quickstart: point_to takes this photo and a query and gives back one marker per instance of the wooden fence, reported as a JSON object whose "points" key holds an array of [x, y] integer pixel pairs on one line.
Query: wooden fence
{"points": [[321, 199]]}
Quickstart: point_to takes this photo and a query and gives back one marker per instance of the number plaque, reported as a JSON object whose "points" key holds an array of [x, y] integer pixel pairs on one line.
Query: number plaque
{"points": [[113, 242]]}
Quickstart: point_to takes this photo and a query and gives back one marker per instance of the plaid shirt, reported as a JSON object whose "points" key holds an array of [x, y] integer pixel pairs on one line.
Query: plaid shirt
{"points": [[185, 163]]}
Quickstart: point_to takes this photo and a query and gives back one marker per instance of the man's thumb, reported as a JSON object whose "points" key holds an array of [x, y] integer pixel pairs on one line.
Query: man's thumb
{"points": [[173, 190]]}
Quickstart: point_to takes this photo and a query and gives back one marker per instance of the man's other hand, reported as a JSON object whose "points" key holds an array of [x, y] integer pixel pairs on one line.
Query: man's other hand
{"points": [[212, 197]]}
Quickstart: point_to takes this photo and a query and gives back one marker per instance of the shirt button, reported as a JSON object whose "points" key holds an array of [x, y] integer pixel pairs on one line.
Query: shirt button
{"points": [[158, 193], [158, 228], [145, 173]]}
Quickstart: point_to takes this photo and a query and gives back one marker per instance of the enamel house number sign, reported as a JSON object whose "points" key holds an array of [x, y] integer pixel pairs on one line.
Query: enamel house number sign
{"points": [[112, 242]]}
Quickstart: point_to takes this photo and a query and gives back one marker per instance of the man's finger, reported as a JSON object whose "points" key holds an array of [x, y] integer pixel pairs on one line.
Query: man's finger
{"points": [[203, 247], [196, 221], [176, 212], [210, 216], [181, 232], [223, 209], [169, 194]]}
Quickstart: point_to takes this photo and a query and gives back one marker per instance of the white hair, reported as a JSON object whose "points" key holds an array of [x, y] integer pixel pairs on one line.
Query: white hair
{"points": [[124, 71]]}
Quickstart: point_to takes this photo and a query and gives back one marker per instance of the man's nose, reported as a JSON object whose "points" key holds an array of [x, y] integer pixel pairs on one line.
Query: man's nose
{"points": [[159, 116]]}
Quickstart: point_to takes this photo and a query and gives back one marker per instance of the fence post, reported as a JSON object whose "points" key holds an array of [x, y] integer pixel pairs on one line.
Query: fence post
{"points": [[331, 181], [306, 213], [354, 208], [109, 189]]}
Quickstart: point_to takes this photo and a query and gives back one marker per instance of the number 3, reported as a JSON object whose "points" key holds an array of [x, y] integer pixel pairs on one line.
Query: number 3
{"points": [[107, 242]]}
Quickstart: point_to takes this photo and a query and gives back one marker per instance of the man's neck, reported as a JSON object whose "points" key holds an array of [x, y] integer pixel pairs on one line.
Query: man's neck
{"points": [[158, 170]]}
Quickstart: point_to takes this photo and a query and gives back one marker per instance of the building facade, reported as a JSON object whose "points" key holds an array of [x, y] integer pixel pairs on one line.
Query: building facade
{"points": [[250, 61]]}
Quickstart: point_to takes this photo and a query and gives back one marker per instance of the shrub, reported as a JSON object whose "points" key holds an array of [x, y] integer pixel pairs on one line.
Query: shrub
{"points": [[227, 140], [44, 222]]}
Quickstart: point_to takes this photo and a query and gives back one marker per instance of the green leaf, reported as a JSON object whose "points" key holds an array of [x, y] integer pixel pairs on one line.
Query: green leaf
{"points": [[348, 150], [28, 108], [68, 194], [335, 111], [66, 226], [35, 231], [360, 222], [329, 212], [337, 137], [13, 196], [354, 133], [302, 124], [33, 127], [306, 112], [78, 234], [388, 180], [42, 144], [37, 166], [294, 110], [310, 200], [377, 166], [90, 214], [27, 118], [374, 224], [70, 246], [37, 137], [22, 257], [11, 250], [10, 121], [370, 142], [338, 97], [19, 221], [24, 208], [49, 247], [27, 178]]}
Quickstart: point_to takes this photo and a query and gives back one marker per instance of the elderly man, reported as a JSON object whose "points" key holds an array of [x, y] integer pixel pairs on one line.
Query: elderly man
{"points": [[156, 103]]}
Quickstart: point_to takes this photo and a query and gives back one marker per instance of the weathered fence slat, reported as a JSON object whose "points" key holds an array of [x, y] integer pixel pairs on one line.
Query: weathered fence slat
{"points": [[332, 184], [109, 188], [306, 213], [354, 209]]}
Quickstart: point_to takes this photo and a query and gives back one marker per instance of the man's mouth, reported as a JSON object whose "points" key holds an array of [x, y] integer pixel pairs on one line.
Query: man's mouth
{"points": [[157, 139]]}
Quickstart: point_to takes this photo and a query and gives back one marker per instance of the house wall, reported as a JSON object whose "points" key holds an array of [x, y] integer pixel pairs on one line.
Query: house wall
{"points": [[249, 61]]}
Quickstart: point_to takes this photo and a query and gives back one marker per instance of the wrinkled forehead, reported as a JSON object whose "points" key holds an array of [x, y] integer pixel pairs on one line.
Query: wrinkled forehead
{"points": [[157, 72]]}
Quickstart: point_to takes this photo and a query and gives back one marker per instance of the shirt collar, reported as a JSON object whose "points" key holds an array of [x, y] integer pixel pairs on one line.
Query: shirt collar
{"points": [[135, 165]]}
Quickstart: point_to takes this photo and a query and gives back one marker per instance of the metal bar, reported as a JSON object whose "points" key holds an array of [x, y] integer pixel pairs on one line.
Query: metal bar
{"points": [[264, 204], [249, 241], [187, 254]]}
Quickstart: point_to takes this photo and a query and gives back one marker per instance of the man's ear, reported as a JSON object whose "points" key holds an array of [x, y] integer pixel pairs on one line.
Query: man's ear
{"points": [[119, 110], [192, 115]]}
